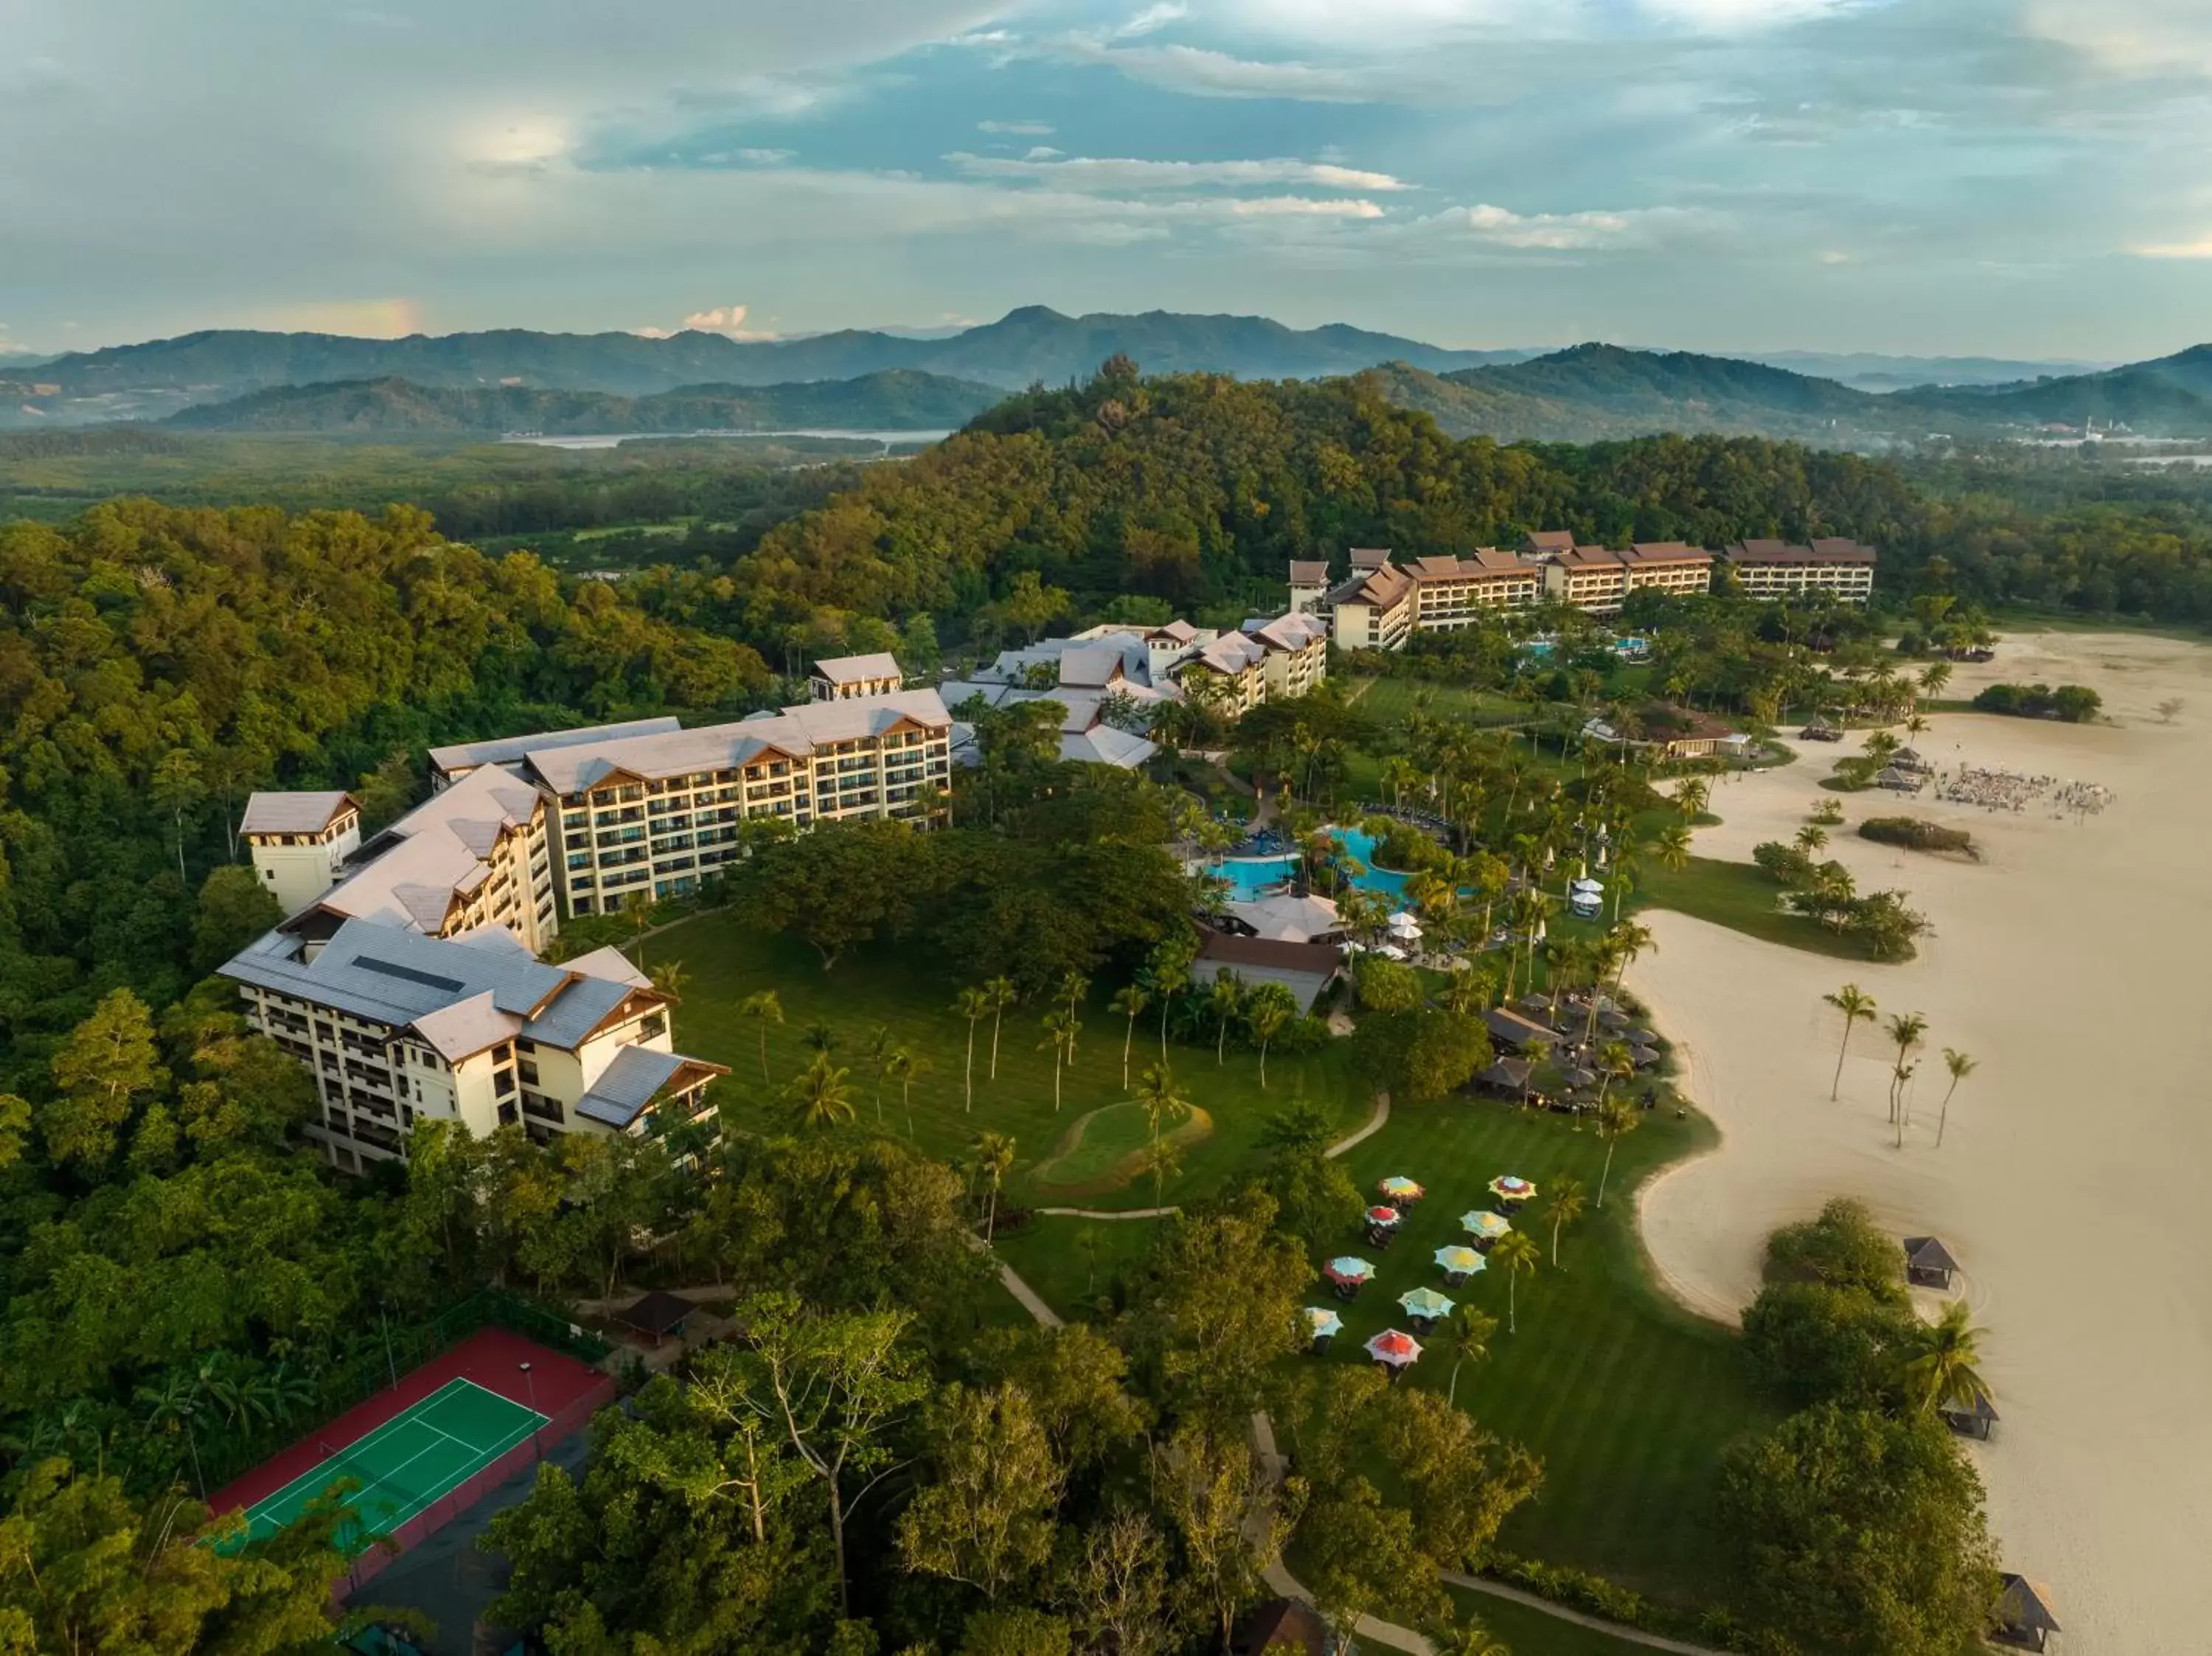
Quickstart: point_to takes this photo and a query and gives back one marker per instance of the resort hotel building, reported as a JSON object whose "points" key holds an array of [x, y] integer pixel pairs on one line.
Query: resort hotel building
{"points": [[1775, 569], [405, 973]]}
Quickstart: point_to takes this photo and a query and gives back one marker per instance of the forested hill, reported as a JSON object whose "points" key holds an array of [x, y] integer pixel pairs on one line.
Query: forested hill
{"points": [[895, 399]]}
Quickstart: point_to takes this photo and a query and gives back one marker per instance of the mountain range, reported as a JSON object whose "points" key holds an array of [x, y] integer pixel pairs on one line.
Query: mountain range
{"points": [[573, 383]]}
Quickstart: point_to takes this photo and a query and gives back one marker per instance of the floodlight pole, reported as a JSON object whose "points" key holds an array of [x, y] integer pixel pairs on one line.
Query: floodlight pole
{"points": [[530, 1383]]}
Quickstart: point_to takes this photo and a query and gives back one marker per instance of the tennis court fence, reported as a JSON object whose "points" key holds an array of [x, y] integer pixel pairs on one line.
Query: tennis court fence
{"points": [[558, 1427]]}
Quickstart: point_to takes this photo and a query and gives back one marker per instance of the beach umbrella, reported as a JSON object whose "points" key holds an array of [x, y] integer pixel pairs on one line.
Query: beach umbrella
{"points": [[1349, 1270], [1390, 951], [1383, 1216], [1642, 1038], [1321, 1324], [1425, 1302], [1461, 1261], [1507, 1188], [1574, 1075], [1615, 1021], [1399, 1350], [1400, 1189], [1403, 924], [1485, 1225]]}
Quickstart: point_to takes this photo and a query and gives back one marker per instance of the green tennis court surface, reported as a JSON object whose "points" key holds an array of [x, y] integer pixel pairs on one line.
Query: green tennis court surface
{"points": [[408, 1463]]}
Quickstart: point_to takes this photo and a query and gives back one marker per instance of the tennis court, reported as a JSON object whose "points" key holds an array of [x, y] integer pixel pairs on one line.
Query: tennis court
{"points": [[408, 1462]]}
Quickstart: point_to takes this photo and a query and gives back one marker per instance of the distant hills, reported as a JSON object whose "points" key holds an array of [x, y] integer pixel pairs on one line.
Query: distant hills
{"points": [[515, 378], [895, 399]]}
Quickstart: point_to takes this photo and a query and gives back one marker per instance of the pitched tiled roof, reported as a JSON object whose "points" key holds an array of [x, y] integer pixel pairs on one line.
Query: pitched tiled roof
{"points": [[631, 1080], [1370, 557], [858, 669], [795, 732], [1305, 574], [1552, 539], [1286, 632], [415, 871], [1668, 552], [511, 749], [292, 813], [1781, 552]]}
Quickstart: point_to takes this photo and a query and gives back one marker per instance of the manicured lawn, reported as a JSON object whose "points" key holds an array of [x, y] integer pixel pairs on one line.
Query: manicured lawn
{"points": [[1070, 1262], [1531, 1632], [1629, 1400], [723, 961], [1742, 897], [1388, 700]]}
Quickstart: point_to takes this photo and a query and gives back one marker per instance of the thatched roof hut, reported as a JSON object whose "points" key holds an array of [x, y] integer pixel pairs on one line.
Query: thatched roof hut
{"points": [[2024, 1613]]}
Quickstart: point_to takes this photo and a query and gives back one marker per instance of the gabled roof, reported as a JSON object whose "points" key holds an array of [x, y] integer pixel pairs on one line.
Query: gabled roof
{"points": [[795, 733], [467, 1027], [1552, 539], [1370, 557], [634, 1077], [1091, 666], [1103, 744], [1286, 632], [512, 749], [858, 669], [1232, 653], [415, 871], [1309, 573], [1487, 561], [2027, 1603], [1830, 550], [293, 813], [1926, 1254], [611, 965], [1668, 552]]}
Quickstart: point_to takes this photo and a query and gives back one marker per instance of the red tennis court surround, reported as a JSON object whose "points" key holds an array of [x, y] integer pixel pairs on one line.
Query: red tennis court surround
{"points": [[566, 1391]]}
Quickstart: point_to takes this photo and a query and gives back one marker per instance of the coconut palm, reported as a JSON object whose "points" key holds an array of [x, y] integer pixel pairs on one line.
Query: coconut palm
{"points": [[1129, 1000], [975, 1005], [905, 1068], [1692, 796], [819, 1095], [1906, 1030], [1617, 1118], [1900, 1079], [1517, 1256], [668, 980], [1167, 975], [1157, 1098], [1270, 1008], [995, 1159], [1467, 1336], [1164, 1161], [1857, 1007], [1073, 987], [1627, 941], [1939, 1368], [1671, 846], [762, 1009], [881, 1044], [820, 1037], [1960, 1067], [1061, 1030], [1468, 1638], [1225, 1002], [1615, 1061], [1563, 1207], [1812, 837], [1002, 994]]}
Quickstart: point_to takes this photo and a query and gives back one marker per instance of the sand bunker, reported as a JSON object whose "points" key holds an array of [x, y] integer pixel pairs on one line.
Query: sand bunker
{"points": [[2072, 1182]]}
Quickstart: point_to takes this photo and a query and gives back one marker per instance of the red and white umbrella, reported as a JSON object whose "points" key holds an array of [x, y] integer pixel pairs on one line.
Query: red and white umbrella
{"points": [[1397, 1350], [1383, 1216]]}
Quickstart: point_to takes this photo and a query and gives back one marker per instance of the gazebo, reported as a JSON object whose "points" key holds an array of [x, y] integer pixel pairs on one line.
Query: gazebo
{"points": [[1507, 1075], [1970, 1419], [1459, 1263], [657, 1315], [1928, 1263], [2025, 1616]]}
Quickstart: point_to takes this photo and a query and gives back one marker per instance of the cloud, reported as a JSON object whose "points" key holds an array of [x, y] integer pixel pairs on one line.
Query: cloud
{"points": [[2135, 37], [1560, 233], [1202, 72], [729, 320], [363, 319], [1017, 129], [14, 348], [1124, 176], [1152, 19], [2200, 248], [1300, 207]]}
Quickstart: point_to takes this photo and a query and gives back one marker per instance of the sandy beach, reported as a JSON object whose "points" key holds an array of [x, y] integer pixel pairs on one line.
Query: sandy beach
{"points": [[2072, 1179]]}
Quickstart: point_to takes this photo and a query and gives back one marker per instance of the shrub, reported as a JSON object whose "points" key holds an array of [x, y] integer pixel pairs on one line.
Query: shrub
{"points": [[1815, 1344], [1789, 865], [2075, 704], [1915, 835], [1844, 1248]]}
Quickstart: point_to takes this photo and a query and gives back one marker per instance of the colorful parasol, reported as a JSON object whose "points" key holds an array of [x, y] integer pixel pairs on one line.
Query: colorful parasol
{"points": [[1394, 1348], [1425, 1302], [1462, 1261], [1349, 1269], [1485, 1226], [1507, 1188]]}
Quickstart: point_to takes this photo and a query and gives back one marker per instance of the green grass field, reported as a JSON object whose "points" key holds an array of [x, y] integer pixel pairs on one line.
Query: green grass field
{"points": [[1742, 897], [723, 961], [1388, 700], [1531, 1633]]}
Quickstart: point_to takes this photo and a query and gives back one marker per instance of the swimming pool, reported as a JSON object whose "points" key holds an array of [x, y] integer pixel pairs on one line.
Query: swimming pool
{"points": [[1251, 877]]}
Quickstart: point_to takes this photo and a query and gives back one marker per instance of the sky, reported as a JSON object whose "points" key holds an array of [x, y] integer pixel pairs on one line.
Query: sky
{"points": [[2021, 177]]}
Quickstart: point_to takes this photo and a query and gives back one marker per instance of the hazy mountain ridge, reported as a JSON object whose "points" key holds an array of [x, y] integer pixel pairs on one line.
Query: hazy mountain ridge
{"points": [[895, 399]]}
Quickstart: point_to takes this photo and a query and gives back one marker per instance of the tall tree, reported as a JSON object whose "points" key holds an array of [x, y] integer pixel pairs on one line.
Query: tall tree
{"points": [[1130, 1000], [1518, 1256], [975, 1005], [1563, 1207], [1959, 1065], [764, 1008], [108, 1063], [1002, 994], [1856, 1007], [985, 1515]]}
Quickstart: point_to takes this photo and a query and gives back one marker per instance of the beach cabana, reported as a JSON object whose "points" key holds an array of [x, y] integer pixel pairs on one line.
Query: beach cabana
{"points": [[1460, 1264], [1928, 1263], [1347, 1276], [1970, 1419], [1322, 1325], [1507, 1188], [2025, 1616], [1400, 1192], [1426, 1306], [1395, 1351], [1507, 1075], [1485, 1226]]}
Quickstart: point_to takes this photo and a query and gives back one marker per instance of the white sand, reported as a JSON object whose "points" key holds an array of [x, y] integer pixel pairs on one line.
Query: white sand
{"points": [[2073, 1181]]}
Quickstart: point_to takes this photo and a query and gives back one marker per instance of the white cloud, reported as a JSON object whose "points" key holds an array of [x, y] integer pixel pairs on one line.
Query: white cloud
{"points": [[2200, 248], [1205, 73], [729, 320], [365, 319], [1301, 207], [764, 157], [2134, 37], [1559, 233], [1122, 176], [1043, 152], [14, 348], [1017, 129], [1152, 19]]}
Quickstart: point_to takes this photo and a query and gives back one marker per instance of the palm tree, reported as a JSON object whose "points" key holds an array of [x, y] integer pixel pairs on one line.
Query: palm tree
{"points": [[821, 1037], [1939, 1369], [1616, 1119], [1129, 1000], [1164, 1161], [1628, 940], [1960, 1067], [637, 909], [1073, 987], [881, 1046], [1564, 1207], [1857, 1007], [1002, 995], [1468, 1638], [995, 1159], [819, 1095], [763, 1009], [1468, 1335], [905, 1068], [1158, 1097], [1167, 975], [1519, 1257], [1812, 837], [1271, 1007], [1692, 799], [1615, 1061], [1900, 1079], [1061, 1030], [975, 1005], [1671, 846], [668, 980], [177, 1401], [1905, 1029], [1225, 1000]]}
